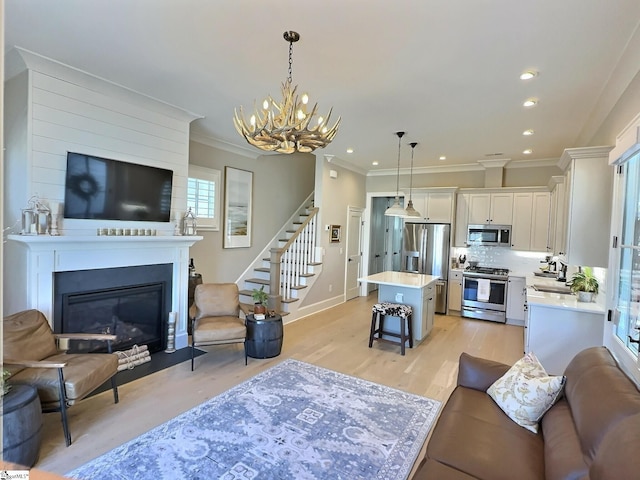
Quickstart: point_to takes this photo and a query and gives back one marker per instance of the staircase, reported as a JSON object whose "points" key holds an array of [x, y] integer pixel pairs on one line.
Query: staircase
{"points": [[287, 267]]}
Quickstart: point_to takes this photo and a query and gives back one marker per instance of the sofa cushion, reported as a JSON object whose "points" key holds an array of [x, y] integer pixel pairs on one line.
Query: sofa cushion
{"points": [[619, 452], [479, 373], [562, 454], [474, 436], [434, 470], [526, 392], [600, 395]]}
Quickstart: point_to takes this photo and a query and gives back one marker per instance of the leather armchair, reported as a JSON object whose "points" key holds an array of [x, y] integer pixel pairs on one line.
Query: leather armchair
{"points": [[215, 317], [32, 354]]}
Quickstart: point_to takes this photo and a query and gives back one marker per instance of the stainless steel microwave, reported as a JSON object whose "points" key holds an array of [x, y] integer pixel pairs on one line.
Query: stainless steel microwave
{"points": [[494, 235]]}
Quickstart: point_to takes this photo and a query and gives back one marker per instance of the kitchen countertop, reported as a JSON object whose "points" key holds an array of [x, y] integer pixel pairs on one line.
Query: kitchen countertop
{"points": [[559, 300], [401, 279]]}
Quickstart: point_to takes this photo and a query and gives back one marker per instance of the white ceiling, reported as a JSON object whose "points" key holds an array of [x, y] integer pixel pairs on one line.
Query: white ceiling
{"points": [[444, 71]]}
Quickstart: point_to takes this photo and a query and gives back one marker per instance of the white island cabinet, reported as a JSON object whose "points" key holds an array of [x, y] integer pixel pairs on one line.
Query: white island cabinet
{"points": [[413, 289], [558, 326]]}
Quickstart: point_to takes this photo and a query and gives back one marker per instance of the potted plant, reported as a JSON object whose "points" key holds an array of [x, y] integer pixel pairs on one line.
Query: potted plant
{"points": [[584, 284], [261, 298], [5, 386]]}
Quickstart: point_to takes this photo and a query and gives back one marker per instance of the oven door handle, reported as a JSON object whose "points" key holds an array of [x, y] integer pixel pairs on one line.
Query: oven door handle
{"points": [[492, 280]]}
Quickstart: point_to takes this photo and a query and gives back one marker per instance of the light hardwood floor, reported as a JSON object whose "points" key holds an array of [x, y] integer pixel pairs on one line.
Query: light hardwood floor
{"points": [[336, 339]]}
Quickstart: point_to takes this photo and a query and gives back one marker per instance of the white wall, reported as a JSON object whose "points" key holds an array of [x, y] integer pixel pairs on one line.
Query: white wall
{"points": [[280, 185], [55, 108]]}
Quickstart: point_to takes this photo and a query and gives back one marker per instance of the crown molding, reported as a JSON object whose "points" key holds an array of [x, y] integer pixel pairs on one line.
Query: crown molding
{"points": [[494, 163], [465, 167], [570, 154], [333, 160], [204, 139], [543, 162]]}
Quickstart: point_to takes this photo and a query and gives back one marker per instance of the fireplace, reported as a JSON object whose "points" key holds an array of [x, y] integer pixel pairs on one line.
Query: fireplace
{"points": [[132, 303]]}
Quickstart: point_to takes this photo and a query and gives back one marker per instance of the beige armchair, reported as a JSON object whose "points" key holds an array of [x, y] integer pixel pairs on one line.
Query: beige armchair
{"points": [[32, 355], [215, 317]]}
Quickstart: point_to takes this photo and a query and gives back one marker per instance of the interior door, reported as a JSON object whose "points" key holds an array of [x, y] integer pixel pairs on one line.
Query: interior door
{"points": [[354, 253]]}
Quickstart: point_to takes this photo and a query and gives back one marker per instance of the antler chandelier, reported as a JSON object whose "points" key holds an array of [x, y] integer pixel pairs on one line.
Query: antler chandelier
{"points": [[286, 126]]}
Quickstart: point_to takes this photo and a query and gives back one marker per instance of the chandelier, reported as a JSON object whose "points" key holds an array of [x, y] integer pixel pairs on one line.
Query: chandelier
{"points": [[286, 126]]}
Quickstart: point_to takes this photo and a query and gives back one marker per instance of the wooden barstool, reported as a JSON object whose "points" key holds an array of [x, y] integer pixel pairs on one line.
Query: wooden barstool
{"points": [[404, 312]]}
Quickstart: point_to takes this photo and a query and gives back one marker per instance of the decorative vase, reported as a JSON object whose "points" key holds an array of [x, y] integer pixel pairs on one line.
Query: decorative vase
{"points": [[585, 297], [259, 308]]}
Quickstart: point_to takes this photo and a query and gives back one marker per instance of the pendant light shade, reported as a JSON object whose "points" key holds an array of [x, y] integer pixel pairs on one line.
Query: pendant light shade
{"points": [[411, 212], [396, 209]]}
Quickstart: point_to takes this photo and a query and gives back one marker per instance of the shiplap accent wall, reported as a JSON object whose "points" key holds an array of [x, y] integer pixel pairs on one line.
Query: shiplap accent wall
{"points": [[57, 108]]}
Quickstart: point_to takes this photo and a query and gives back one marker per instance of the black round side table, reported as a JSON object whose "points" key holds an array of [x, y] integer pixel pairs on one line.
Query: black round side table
{"points": [[264, 337], [22, 425]]}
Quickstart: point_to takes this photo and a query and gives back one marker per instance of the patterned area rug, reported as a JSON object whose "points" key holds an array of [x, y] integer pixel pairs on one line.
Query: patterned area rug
{"points": [[292, 421]]}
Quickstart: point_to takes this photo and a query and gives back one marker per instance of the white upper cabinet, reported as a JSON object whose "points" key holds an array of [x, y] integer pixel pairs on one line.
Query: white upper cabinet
{"points": [[588, 193], [530, 228], [462, 215], [490, 208], [435, 207]]}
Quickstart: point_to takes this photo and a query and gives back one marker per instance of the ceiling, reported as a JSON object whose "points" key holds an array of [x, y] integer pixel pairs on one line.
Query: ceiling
{"points": [[446, 72]]}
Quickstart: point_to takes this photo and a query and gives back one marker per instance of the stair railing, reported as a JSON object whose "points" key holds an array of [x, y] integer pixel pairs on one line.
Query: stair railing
{"points": [[291, 261]]}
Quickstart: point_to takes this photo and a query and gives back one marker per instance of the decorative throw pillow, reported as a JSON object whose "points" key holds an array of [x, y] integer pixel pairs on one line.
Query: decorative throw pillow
{"points": [[526, 392]]}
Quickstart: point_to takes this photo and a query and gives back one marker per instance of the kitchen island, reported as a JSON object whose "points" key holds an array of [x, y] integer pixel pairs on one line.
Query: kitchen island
{"points": [[413, 289], [558, 326]]}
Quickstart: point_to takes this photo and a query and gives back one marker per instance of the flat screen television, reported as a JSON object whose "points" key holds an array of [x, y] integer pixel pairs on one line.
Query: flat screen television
{"points": [[105, 189]]}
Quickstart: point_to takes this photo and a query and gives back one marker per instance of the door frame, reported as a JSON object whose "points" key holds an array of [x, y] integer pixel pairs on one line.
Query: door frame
{"points": [[354, 210], [366, 241]]}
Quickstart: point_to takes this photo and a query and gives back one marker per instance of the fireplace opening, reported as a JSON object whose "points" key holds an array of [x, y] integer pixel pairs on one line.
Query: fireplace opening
{"points": [[132, 303]]}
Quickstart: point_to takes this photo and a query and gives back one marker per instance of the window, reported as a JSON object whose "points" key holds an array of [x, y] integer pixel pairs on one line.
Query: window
{"points": [[203, 196], [628, 294]]}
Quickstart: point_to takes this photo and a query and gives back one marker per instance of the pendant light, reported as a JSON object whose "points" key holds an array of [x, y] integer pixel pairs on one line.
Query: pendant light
{"points": [[410, 211], [396, 209]]}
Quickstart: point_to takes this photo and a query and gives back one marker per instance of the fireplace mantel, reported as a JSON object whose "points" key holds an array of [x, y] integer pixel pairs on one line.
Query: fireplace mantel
{"points": [[33, 260]]}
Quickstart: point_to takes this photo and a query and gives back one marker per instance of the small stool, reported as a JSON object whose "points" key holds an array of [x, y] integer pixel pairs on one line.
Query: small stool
{"points": [[404, 312]]}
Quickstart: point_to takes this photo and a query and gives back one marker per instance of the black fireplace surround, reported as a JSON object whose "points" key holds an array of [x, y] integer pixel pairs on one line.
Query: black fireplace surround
{"points": [[130, 302]]}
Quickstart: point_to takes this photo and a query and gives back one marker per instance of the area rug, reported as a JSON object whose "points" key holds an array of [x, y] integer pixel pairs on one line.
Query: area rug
{"points": [[292, 421]]}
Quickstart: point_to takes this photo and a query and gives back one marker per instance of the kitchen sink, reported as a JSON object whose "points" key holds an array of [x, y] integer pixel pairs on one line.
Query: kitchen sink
{"points": [[552, 288]]}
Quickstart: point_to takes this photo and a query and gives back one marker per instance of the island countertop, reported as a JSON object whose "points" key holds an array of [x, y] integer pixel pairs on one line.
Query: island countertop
{"points": [[400, 279]]}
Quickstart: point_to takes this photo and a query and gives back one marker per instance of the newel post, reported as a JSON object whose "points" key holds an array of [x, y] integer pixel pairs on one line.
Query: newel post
{"points": [[275, 299]]}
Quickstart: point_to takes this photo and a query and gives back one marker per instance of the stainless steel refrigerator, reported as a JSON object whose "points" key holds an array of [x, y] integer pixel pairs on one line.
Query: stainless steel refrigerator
{"points": [[425, 249]]}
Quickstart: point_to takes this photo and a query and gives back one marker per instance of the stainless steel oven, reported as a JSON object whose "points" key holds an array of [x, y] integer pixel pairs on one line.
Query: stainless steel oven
{"points": [[484, 293]]}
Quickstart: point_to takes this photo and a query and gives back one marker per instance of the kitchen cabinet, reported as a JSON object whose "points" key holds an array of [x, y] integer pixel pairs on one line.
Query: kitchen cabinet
{"points": [[530, 228], [462, 216], [516, 300], [540, 222], [556, 335], [435, 206], [557, 230], [588, 194], [455, 290], [430, 302], [491, 208]]}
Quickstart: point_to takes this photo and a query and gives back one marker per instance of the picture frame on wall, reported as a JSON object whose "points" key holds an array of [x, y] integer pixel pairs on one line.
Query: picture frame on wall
{"points": [[335, 233], [238, 207]]}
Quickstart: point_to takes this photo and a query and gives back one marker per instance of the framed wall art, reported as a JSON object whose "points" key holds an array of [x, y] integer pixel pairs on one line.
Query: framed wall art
{"points": [[335, 233], [238, 199]]}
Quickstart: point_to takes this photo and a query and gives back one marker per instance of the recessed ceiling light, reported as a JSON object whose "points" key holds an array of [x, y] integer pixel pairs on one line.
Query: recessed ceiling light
{"points": [[374, 163], [528, 75], [442, 157], [528, 151], [349, 150], [528, 132], [530, 102]]}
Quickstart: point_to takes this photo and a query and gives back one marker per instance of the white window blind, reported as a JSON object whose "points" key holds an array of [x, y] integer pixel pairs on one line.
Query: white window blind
{"points": [[203, 196]]}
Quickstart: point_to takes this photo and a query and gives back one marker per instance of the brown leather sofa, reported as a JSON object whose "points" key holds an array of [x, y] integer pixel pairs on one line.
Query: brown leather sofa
{"points": [[591, 433]]}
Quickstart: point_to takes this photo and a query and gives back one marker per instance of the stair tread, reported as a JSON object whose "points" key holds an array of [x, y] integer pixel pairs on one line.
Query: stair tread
{"points": [[262, 269], [261, 281]]}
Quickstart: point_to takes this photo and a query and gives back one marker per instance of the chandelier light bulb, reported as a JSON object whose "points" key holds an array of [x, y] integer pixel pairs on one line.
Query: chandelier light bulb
{"points": [[252, 120], [320, 120], [301, 115], [305, 98], [265, 104]]}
